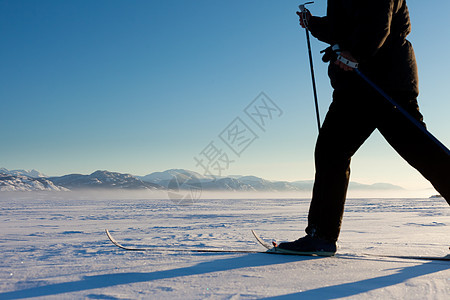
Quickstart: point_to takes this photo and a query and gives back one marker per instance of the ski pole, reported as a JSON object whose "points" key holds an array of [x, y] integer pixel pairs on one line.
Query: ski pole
{"points": [[403, 111], [355, 67], [316, 102]]}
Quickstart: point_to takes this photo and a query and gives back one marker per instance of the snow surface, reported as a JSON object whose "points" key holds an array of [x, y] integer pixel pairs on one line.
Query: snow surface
{"points": [[53, 246]]}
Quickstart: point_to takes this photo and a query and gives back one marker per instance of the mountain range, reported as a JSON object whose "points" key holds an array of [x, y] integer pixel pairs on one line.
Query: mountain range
{"points": [[103, 180], [174, 179]]}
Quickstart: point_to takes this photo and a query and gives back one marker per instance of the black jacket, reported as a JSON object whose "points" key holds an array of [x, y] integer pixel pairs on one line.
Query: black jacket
{"points": [[374, 32]]}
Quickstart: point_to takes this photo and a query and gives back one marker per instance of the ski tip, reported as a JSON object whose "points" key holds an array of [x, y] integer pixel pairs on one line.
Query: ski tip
{"points": [[109, 236], [264, 244]]}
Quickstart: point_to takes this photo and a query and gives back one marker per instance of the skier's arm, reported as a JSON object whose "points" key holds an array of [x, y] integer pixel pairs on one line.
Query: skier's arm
{"points": [[372, 28], [320, 29], [318, 26]]}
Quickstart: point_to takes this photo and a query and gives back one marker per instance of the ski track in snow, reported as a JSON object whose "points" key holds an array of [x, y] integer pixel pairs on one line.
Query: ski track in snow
{"points": [[53, 246]]}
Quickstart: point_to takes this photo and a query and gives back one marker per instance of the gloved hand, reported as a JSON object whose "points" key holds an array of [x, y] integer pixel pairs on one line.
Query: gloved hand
{"points": [[304, 18], [342, 58]]}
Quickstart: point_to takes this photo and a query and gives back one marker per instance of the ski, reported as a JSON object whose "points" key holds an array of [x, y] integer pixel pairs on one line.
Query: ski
{"points": [[412, 257], [273, 250], [270, 250], [154, 249]]}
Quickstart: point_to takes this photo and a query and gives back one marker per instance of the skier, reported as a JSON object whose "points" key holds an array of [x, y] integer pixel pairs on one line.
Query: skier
{"points": [[373, 35]]}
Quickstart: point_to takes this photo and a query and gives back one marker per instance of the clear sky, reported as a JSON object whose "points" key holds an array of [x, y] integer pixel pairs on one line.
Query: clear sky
{"points": [[144, 86]]}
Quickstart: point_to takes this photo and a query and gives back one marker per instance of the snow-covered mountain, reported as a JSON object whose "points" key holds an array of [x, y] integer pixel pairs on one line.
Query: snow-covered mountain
{"points": [[209, 183], [178, 177], [20, 183], [304, 184], [166, 177], [30, 173], [375, 186], [263, 185], [228, 184], [243, 183], [103, 180], [308, 185]]}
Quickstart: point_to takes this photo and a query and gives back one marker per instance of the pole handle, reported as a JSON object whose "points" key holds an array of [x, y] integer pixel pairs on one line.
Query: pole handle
{"points": [[303, 6]]}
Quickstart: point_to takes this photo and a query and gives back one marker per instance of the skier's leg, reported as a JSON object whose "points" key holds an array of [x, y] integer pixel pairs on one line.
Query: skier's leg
{"points": [[414, 146], [347, 125]]}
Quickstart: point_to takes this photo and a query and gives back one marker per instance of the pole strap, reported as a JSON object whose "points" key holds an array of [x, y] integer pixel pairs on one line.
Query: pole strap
{"points": [[337, 49], [347, 62]]}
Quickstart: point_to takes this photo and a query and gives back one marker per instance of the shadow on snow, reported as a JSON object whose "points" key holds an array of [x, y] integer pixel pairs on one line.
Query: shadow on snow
{"points": [[366, 285], [109, 280], [218, 265]]}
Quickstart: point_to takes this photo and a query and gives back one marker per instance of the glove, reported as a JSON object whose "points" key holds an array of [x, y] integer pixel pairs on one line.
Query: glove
{"points": [[329, 54], [343, 59], [304, 18]]}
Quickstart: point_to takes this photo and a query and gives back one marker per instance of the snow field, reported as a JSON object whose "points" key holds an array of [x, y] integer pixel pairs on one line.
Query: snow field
{"points": [[53, 246]]}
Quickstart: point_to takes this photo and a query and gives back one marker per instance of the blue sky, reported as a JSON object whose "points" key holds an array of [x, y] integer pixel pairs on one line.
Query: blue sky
{"points": [[144, 86]]}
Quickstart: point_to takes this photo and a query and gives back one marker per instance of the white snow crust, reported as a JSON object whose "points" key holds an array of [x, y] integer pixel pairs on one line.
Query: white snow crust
{"points": [[53, 246]]}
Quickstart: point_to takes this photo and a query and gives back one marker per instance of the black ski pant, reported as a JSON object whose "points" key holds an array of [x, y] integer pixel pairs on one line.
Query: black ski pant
{"points": [[352, 117]]}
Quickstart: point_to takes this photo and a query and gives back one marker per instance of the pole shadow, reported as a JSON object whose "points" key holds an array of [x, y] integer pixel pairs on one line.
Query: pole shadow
{"points": [[367, 285]]}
